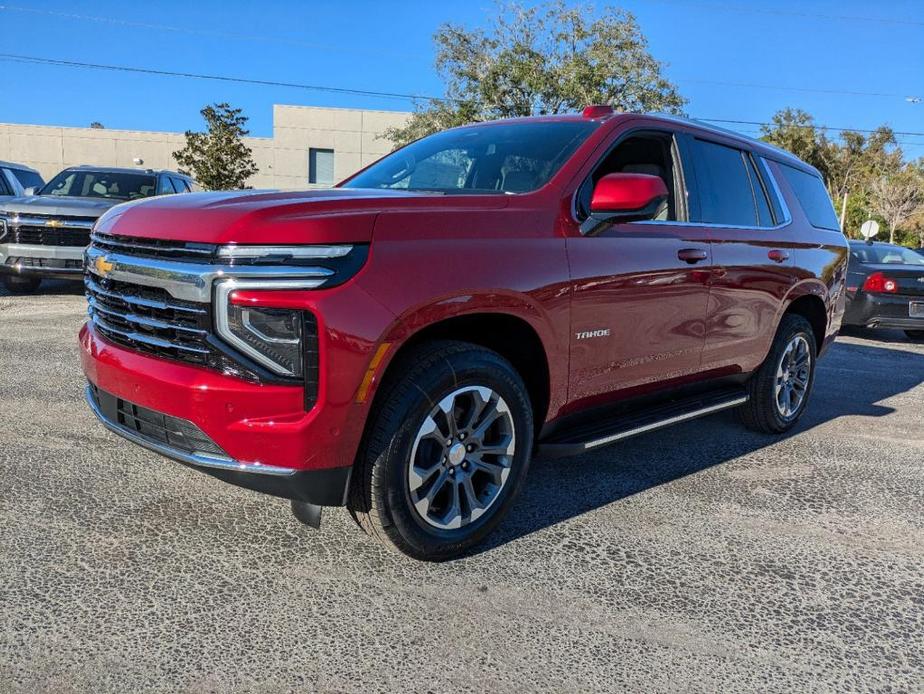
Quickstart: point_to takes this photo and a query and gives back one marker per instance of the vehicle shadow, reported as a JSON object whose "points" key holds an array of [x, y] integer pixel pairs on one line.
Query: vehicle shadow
{"points": [[851, 380]]}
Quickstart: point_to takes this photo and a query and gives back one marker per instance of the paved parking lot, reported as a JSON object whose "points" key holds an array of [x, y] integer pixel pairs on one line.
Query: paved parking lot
{"points": [[700, 558]]}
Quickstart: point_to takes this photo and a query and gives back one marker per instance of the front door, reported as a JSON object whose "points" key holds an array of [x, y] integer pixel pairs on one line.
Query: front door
{"points": [[639, 290]]}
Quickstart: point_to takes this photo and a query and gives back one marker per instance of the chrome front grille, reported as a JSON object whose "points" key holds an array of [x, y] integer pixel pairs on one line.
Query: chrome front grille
{"points": [[149, 320], [50, 230], [154, 248]]}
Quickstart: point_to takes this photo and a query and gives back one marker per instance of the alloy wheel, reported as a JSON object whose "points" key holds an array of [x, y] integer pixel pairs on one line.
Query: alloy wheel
{"points": [[461, 457], [792, 376]]}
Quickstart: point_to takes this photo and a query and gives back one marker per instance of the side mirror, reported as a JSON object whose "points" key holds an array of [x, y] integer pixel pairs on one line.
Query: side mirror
{"points": [[29, 191], [624, 197]]}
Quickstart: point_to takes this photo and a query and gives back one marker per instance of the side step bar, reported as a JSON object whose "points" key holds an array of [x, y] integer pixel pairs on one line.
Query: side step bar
{"points": [[589, 436]]}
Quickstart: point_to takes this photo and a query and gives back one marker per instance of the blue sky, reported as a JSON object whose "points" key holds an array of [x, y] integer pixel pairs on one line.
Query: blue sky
{"points": [[834, 45]]}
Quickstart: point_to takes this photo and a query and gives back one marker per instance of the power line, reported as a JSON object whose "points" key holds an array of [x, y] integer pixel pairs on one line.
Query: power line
{"points": [[794, 125], [115, 21], [725, 7], [343, 90], [812, 90], [219, 78], [314, 45]]}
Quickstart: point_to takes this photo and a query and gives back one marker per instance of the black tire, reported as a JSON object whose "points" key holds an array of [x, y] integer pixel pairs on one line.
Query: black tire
{"points": [[20, 285], [380, 497], [762, 412], [914, 334]]}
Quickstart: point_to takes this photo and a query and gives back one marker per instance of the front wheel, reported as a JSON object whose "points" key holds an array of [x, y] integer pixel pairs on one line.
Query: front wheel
{"points": [[446, 452], [779, 391], [20, 285], [915, 334]]}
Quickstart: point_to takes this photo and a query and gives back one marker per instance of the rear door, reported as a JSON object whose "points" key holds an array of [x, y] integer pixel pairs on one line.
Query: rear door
{"points": [[638, 306], [753, 265]]}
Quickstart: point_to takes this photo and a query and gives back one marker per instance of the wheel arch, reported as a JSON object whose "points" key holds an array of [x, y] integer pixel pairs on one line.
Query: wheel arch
{"points": [[810, 304], [510, 335]]}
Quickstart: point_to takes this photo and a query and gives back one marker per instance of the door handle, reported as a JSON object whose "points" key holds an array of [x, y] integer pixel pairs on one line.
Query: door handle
{"points": [[778, 256], [692, 255]]}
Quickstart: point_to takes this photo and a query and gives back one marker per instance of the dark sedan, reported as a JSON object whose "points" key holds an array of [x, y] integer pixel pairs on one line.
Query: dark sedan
{"points": [[885, 288]]}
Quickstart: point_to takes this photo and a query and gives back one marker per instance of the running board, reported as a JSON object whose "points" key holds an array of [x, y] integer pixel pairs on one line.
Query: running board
{"points": [[587, 437]]}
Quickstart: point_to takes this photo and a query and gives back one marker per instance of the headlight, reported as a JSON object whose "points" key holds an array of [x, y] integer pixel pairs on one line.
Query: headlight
{"points": [[4, 227], [273, 337], [282, 254]]}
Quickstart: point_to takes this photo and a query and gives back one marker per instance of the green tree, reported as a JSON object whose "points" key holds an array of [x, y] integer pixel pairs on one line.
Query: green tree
{"points": [[545, 59], [848, 164], [218, 158], [795, 131]]}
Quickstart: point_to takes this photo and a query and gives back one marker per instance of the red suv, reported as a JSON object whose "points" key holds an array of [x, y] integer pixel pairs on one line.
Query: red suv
{"points": [[404, 343]]}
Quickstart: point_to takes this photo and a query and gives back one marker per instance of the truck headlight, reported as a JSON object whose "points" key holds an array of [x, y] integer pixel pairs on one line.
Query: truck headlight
{"points": [[4, 227], [272, 337]]}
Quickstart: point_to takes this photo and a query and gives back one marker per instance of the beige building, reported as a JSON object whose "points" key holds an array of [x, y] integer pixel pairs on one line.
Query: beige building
{"points": [[310, 147]]}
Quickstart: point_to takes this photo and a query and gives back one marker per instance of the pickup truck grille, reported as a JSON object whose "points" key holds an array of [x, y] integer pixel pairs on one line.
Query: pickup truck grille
{"points": [[149, 320], [155, 248], [64, 231]]}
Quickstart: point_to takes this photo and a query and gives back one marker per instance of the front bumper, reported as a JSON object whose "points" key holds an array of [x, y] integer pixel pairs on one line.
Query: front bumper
{"points": [[319, 487], [264, 437], [61, 262], [883, 311]]}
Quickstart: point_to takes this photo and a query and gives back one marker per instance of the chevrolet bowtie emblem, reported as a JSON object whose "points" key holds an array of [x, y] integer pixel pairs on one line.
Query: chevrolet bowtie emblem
{"points": [[54, 223], [102, 266]]}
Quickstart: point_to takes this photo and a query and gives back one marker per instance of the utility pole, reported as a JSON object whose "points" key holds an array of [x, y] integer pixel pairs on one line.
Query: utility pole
{"points": [[843, 213]]}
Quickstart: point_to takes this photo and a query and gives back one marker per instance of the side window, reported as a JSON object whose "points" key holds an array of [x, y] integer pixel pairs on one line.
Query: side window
{"points": [[163, 186], [649, 153], [764, 214], [28, 179], [813, 197], [725, 192], [179, 185], [4, 187]]}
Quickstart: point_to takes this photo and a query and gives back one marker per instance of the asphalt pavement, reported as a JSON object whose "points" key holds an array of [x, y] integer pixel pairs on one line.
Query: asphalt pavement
{"points": [[698, 558]]}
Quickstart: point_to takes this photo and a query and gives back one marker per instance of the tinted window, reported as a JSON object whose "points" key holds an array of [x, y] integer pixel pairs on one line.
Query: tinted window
{"points": [[813, 197], [725, 192], [4, 186], [28, 179], [495, 158], [886, 255], [180, 185], [164, 186], [764, 215], [101, 184]]}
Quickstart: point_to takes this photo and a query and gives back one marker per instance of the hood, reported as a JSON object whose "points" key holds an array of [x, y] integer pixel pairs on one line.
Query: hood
{"points": [[59, 205], [337, 215]]}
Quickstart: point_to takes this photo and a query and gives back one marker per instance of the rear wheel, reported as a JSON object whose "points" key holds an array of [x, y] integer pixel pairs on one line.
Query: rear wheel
{"points": [[915, 334], [446, 452], [20, 285], [779, 390]]}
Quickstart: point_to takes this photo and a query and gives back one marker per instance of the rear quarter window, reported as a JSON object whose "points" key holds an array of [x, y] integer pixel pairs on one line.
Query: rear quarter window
{"points": [[813, 197]]}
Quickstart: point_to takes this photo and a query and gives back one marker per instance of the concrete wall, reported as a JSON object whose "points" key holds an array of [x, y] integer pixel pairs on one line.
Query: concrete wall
{"points": [[355, 137]]}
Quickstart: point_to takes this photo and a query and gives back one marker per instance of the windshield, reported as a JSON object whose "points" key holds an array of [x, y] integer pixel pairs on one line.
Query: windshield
{"points": [[495, 158], [101, 184], [28, 179], [885, 255]]}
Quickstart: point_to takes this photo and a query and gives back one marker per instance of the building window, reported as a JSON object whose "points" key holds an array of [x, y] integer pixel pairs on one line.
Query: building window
{"points": [[321, 166]]}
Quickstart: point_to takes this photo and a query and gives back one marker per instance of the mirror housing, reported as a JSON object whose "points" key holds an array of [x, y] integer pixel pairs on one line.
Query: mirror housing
{"points": [[29, 191], [624, 197]]}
